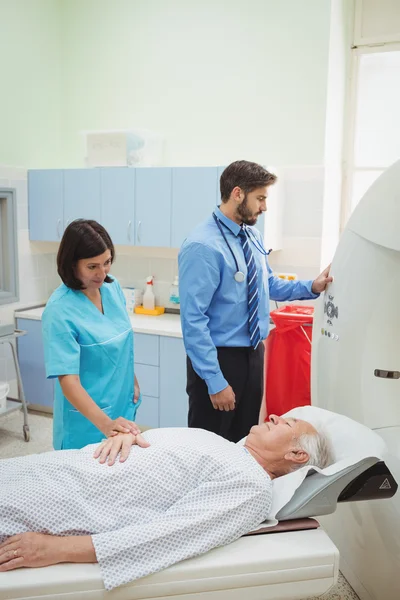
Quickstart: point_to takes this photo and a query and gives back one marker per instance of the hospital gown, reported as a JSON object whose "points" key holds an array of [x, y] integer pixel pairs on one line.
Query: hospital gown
{"points": [[188, 492]]}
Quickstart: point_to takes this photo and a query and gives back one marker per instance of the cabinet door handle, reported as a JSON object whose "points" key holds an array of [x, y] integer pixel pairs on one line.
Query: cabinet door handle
{"points": [[139, 231], [129, 230], [58, 228]]}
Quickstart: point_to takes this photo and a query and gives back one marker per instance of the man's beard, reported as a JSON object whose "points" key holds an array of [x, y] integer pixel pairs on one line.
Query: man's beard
{"points": [[245, 214]]}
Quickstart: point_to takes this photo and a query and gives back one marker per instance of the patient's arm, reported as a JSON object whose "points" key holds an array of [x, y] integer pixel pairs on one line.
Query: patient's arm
{"points": [[41, 550]]}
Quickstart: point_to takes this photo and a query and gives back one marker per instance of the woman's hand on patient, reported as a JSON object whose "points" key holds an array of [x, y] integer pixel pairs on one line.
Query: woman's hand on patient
{"points": [[119, 444], [120, 425]]}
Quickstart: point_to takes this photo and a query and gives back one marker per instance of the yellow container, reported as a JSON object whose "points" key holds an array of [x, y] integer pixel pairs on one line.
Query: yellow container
{"points": [[158, 310]]}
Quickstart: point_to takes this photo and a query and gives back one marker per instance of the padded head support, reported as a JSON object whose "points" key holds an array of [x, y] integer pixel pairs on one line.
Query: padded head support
{"points": [[310, 492]]}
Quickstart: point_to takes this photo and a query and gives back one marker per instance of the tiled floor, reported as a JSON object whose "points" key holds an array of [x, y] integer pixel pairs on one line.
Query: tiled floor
{"points": [[12, 444], [342, 591]]}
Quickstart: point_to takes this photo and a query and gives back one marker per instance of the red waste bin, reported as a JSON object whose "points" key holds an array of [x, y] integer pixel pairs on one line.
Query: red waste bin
{"points": [[288, 359]]}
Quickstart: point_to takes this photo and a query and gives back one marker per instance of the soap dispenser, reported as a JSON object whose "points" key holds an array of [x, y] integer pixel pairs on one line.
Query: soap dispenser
{"points": [[174, 292]]}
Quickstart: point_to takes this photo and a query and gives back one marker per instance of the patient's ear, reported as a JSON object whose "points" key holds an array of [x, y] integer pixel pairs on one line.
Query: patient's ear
{"points": [[297, 456]]}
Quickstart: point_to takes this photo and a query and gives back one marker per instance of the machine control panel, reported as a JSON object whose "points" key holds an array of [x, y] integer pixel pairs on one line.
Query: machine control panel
{"points": [[330, 310]]}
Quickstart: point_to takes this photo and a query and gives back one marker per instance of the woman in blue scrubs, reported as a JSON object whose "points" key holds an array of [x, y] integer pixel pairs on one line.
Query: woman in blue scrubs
{"points": [[88, 342]]}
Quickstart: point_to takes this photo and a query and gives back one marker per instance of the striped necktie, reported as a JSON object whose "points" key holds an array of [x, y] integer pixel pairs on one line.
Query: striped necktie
{"points": [[253, 300]]}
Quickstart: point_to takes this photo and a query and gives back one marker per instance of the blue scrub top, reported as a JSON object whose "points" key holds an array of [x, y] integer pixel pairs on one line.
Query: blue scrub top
{"points": [[80, 340]]}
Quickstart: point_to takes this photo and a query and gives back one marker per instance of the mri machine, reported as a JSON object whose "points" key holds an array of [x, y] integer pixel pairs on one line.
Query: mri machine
{"points": [[355, 373]]}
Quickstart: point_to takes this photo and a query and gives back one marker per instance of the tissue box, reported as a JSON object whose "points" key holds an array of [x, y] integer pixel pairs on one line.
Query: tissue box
{"points": [[135, 148], [134, 298]]}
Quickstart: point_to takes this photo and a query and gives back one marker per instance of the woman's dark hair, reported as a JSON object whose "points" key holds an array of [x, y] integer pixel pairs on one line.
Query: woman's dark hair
{"points": [[244, 174], [82, 239]]}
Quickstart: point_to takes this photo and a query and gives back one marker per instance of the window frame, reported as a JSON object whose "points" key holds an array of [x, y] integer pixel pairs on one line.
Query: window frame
{"points": [[349, 168], [9, 254]]}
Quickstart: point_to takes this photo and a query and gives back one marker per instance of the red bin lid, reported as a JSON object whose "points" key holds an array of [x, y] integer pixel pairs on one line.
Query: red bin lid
{"points": [[293, 313]]}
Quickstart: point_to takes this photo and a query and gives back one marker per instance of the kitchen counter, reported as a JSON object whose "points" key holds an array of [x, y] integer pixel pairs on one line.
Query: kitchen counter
{"points": [[167, 324]]}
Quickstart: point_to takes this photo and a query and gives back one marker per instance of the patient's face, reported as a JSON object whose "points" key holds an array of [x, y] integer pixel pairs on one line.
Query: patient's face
{"points": [[280, 431], [277, 440]]}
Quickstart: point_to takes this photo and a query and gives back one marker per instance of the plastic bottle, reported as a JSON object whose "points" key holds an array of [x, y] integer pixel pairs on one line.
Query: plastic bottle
{"points": [[148, 297], [174, 292]]}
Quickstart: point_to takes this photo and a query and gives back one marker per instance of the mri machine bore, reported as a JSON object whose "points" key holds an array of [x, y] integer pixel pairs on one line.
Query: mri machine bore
{"points": [[356, 372]]}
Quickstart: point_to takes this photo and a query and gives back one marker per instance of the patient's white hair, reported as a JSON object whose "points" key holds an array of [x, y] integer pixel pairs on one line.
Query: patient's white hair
{"points": [[319, 449]]}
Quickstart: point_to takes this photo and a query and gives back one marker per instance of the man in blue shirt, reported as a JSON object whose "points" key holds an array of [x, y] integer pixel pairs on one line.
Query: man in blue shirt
{"points": [[225, 286]]}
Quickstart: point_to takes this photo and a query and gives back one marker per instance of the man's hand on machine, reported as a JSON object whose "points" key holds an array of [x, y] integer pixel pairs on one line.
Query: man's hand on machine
{"points": [[224, 400], [119, 444], [322, 281]]}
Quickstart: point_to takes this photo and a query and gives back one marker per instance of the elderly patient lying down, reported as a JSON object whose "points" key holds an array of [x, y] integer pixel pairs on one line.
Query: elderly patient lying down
{"points": [[185, 492]]}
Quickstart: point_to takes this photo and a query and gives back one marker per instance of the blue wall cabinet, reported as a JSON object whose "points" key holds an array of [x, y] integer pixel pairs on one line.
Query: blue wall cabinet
{"points": [[82, 195], [145, 206], [46, 205], [219, 171], [173, 397], [118, 204], [146, 349], [146, 357], [38, 390], [153, 207], [148, 412], [194, 193], [148, 377]]}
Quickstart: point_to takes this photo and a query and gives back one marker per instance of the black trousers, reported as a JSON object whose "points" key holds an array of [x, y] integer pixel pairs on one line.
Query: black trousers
{"points": [[243, 368]]}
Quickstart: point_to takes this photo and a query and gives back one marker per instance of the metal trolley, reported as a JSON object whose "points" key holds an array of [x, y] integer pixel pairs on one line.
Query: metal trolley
{"points": [[10, 338]]}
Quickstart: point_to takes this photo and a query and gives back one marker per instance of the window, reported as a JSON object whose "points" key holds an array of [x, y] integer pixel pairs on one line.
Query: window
{"points": [[375, 143], [373, 140], [8, 247]]}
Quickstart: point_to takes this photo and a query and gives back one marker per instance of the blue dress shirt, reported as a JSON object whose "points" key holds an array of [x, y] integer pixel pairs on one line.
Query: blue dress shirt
{"points": [[214, 307]]}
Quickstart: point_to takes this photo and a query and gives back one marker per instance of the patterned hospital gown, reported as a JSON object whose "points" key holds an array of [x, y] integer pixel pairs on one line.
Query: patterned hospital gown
{"points": [[190, 491]]}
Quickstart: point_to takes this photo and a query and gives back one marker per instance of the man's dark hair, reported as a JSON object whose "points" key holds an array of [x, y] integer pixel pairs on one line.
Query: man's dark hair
{"points": [[82, 239], [244, 174]]}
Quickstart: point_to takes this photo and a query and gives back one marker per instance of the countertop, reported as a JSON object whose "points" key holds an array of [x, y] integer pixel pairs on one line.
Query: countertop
{"points": [[166, 324]]}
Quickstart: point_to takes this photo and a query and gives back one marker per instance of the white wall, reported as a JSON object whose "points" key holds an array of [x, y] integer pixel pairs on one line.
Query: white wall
{"points": [[337, 120], [220, 80], [133, 265], [30, 67], [302, 223]]}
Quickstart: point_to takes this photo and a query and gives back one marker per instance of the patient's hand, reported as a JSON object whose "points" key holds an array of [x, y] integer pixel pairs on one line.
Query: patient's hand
{"points": [[41, 550], [29, 550], [119, 444]]}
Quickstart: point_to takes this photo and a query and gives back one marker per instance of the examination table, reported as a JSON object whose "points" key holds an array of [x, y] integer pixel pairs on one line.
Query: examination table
{"points": [[288, 558]]}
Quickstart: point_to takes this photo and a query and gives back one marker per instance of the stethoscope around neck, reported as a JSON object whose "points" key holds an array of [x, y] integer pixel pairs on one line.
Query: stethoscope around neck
{"points": [[239, 275]]}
